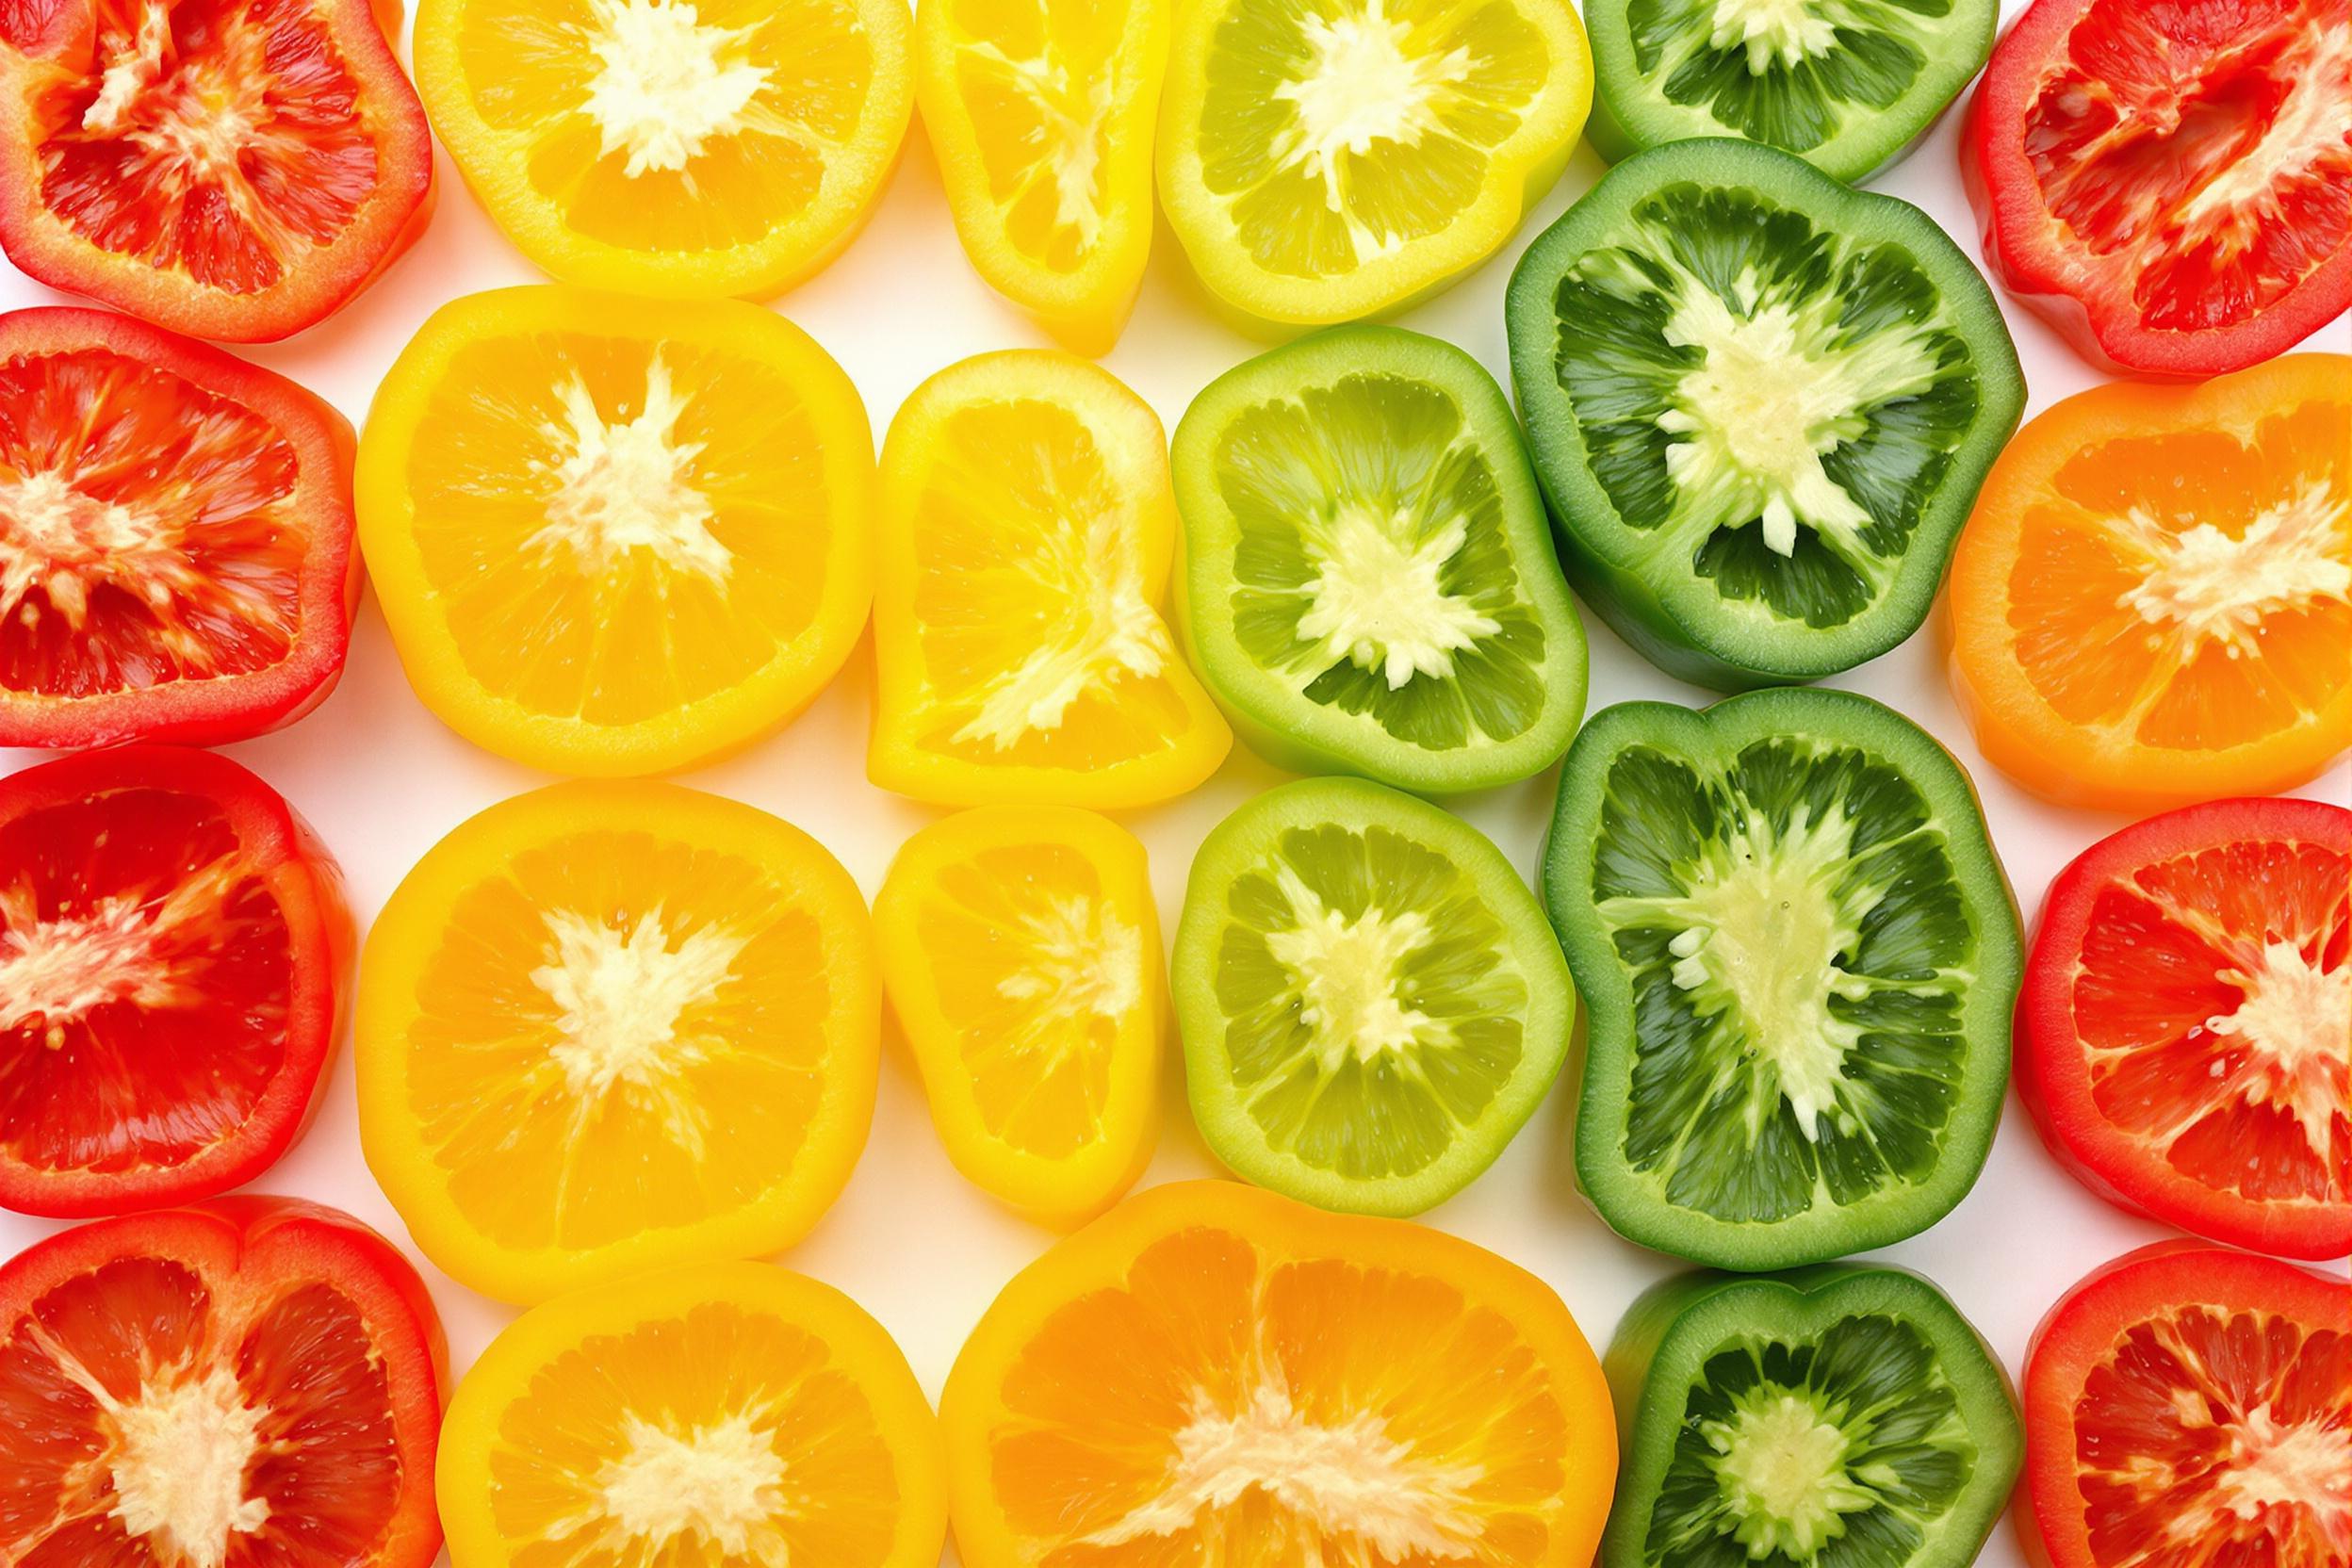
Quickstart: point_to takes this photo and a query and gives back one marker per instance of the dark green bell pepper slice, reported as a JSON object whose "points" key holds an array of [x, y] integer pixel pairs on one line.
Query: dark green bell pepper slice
{"points": [[1761, 405], [1799, 956], [1837, 1416], [1850, 86]]}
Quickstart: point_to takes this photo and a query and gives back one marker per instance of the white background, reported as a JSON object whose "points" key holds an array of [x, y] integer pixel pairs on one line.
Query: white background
{"points": [[910, 1240]]}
